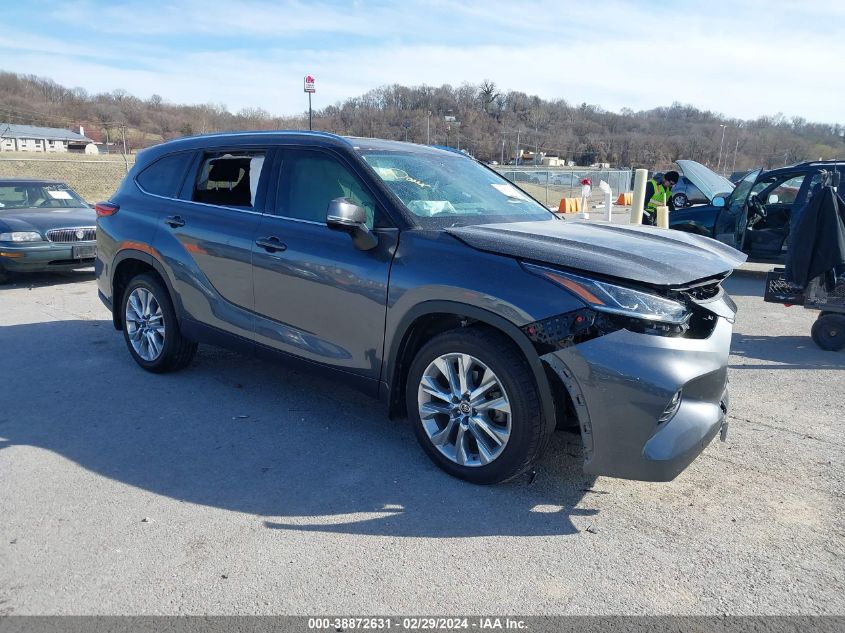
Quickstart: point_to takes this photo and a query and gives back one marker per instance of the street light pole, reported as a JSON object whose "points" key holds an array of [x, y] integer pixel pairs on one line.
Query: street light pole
{"points": [[736, 147], [721, 145]]}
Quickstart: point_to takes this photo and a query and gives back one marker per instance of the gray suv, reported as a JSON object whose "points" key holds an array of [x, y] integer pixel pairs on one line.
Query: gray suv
{"points": [[427, 280]]}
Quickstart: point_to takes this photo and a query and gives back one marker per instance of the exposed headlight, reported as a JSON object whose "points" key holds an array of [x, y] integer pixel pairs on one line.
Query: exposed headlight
{"points": [[606, 297], [21, 236]]}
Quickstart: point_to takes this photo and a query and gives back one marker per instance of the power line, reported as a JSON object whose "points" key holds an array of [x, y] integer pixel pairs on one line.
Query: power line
{"points": [[24, 114]]}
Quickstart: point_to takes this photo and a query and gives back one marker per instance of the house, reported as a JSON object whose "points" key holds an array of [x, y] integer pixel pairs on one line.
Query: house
{"points": [[30, 138], [553, 161]]}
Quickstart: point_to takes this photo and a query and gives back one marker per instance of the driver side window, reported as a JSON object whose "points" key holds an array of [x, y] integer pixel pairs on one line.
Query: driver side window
{"points": [[782, 190], [787, 191], [312, 180]]}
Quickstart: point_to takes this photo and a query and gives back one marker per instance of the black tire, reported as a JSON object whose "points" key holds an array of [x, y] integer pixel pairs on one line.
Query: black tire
{"points": [[177, 351], [680, 200], [5, 276], [530, 432], [829, 331]]}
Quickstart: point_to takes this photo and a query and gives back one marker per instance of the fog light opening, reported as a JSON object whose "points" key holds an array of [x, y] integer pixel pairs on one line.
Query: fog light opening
{"points": [[671, 409]]}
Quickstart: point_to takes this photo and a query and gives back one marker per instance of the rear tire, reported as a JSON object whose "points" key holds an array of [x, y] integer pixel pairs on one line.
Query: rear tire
{"points": [[150, 327], [828, 331], [479, 442]]}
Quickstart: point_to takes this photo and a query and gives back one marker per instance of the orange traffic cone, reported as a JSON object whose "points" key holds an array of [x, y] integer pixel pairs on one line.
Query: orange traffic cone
{"points": [[569, 205]]}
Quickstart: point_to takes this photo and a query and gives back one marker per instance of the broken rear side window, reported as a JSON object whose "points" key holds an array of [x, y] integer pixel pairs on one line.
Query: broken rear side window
{"points": [[229, 179]]}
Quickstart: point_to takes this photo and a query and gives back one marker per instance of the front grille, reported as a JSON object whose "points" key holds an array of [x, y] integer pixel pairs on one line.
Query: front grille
{"points": [[704, 292], [78, 234]]}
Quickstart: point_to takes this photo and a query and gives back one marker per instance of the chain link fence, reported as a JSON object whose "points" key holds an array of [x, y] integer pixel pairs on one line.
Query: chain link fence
{"points": [[549, 184]]}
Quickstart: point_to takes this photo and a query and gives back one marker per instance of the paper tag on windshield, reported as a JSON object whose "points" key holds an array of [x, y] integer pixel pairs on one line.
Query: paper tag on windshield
{"points": [[510, 191], [59, 194]]}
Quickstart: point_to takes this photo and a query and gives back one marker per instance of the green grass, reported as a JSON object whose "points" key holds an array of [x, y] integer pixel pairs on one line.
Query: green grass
{"points": [[94, 177]]}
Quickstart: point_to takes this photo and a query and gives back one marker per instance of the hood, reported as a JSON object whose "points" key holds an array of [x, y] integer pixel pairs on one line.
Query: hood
{"points": [[656, 257], [708, 182], [45, 219]]}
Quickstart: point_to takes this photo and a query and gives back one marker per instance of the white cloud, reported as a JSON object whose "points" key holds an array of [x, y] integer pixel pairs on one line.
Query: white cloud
{"points": [[758, 58]]}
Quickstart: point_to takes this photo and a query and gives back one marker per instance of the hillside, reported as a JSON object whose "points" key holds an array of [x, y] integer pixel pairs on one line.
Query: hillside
{"points": [[491, 121]]}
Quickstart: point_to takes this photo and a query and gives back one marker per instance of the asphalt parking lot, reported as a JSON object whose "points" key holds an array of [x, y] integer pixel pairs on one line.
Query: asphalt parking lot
{"points": [[239, 487]]}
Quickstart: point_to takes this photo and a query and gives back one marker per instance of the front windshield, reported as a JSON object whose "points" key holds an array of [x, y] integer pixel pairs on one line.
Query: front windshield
{"points": [[741, 192], [442, 189], [38, 195]]}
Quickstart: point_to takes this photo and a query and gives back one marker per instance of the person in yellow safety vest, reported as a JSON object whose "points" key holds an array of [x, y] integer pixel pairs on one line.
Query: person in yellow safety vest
{"points": [[659, 194]]}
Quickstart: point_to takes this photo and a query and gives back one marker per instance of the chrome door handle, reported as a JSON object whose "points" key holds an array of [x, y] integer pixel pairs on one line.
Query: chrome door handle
{"points": [[174, 221], [271, 244]]}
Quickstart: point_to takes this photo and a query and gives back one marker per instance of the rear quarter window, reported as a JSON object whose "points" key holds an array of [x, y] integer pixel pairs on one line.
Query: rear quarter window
{"points": [[164, 177]]}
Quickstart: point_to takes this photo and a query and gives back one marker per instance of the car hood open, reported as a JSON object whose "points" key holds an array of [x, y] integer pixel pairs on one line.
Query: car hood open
{"points": [[655, 257], [708, 182]]}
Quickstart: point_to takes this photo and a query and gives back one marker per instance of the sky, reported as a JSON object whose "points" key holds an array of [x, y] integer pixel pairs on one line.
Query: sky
{"points": [[742, 59]]}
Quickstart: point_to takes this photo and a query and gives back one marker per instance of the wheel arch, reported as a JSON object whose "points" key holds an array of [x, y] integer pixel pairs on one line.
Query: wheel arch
{"points": [[430, 318], [127, 264]]}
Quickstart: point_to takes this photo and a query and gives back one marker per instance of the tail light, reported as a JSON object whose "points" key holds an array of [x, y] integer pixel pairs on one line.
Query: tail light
{"points": [[105, 208]]}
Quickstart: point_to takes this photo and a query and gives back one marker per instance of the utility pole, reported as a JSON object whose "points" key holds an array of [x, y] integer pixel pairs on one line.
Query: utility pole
{"points": [[123, 136], [719, 164], [502, 161], [518, 151], [428, 129]]}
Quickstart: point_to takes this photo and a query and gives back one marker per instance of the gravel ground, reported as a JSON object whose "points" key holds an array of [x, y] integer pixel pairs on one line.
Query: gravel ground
{"points": [[240, 487]]}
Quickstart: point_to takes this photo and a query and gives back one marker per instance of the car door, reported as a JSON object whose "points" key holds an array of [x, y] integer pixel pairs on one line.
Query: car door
{"points": [[207, 235], [731, 221], [317, 296]]}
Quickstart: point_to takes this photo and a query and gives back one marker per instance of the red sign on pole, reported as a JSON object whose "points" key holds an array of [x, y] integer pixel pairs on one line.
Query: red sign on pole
{"points": [[309, 84]]}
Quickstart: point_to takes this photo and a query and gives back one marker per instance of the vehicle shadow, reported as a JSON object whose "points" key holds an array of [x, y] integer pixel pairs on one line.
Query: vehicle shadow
{"points": [[40, 280], [789, 352], [232, 432]]}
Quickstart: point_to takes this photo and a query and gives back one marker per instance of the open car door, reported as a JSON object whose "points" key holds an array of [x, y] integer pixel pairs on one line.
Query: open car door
{"points": [[732, 221]]}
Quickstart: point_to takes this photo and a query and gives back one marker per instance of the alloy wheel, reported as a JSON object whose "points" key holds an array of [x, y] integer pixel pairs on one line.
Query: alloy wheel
{"points": [[464, 409], [145, 324]]}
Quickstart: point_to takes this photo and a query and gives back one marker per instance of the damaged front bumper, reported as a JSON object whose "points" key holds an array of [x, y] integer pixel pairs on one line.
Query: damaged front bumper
{"points": [[647, 405]]}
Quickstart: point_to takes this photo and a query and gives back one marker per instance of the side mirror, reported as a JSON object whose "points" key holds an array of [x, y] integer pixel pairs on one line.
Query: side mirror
{"points": [[773, 199], [719, 201], [344, 215]]}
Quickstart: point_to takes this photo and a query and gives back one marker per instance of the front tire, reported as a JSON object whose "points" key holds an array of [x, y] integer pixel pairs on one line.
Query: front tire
{"points": [[680, 200], [150, 327], [475, 406]]}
